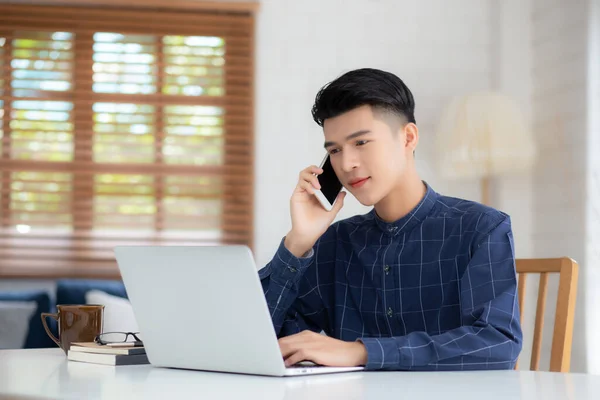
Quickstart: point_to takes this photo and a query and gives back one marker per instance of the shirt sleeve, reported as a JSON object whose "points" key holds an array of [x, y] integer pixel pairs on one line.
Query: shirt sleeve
{"points": [[490, 336], [292, 290]]}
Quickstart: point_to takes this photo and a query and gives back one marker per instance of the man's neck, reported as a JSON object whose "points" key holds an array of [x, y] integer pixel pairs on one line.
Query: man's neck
{"points": [[403, 199]]}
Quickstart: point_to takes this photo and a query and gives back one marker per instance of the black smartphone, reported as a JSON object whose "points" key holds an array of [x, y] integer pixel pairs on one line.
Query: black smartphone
{"points": [[330, 185]]}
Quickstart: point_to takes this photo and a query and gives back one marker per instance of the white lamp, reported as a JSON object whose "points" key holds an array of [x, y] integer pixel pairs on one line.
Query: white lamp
{"points": [[483, 135]]}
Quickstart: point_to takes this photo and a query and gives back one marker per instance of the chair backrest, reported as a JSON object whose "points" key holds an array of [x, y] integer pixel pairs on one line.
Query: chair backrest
{"points": [[560, 356]]}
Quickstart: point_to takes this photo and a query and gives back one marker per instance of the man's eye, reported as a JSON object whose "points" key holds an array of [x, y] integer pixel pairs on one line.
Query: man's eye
{"points": [[333, 151], [362, 142]]}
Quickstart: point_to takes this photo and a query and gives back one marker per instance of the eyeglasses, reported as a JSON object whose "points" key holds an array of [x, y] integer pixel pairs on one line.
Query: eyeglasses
{"points": [[119, 338]]}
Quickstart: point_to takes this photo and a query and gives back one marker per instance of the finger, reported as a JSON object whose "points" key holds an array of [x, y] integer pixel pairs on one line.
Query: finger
{"points": [[288, 349], [288, 345], [296, 338], [307, 186], [313, 169], [312, 179], [300, 355], [315, 182], [295, 342], [339, 203]]}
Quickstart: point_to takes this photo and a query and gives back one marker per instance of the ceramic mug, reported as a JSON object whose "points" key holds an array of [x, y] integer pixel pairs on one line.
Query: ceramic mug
{"points": [[76, 323]]}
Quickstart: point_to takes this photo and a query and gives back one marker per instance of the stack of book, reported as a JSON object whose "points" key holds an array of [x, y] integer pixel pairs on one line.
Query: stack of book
{"points": [[106, 354]]}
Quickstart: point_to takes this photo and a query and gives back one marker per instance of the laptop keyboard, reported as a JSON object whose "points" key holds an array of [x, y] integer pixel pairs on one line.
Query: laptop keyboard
{"points": [[305, 364]]}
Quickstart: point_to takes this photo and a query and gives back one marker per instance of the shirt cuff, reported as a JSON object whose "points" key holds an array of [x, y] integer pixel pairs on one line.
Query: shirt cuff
{"points": [[285, 266], [382, 353]]}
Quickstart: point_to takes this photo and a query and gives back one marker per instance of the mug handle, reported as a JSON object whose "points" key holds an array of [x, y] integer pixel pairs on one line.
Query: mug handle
{"points": [[51, 315]]}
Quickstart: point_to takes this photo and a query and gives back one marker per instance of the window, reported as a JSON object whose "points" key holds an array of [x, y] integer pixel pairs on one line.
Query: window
{"points": [[117, 131]]}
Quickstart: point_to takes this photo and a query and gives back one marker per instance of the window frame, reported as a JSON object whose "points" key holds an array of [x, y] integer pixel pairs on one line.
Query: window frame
{"points": [[228, 168]]}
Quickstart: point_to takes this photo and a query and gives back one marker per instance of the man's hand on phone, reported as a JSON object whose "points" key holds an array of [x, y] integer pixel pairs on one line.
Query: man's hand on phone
{"points": [[309, 219]]}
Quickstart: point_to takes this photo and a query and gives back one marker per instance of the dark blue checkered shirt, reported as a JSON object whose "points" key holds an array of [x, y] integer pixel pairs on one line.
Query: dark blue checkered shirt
{"points": [[435, 290]]}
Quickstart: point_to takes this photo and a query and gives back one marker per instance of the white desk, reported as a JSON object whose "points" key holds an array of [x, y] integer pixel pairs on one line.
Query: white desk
{"points": [[46, 373]]}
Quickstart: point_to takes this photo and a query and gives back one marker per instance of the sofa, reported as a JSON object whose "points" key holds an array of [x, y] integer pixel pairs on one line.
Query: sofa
{"points": [[68, 291]]}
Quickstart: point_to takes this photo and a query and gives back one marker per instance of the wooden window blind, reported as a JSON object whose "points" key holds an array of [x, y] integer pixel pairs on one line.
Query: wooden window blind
{"points": [[121, 126]]}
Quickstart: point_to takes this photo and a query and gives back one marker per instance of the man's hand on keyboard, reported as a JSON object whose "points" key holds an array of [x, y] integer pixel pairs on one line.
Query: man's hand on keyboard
{"points": [[323, 350]]}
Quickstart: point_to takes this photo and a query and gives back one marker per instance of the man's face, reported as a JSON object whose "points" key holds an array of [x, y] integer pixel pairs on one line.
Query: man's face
{"points": [[369, 152]]}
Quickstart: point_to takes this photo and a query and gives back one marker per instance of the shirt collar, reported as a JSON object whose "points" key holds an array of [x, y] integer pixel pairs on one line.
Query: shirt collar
{"points": [[413, 218]]}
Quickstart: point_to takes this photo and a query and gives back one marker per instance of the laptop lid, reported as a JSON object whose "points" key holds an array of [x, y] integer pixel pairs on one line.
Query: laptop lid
{"points": [[201, 308]]}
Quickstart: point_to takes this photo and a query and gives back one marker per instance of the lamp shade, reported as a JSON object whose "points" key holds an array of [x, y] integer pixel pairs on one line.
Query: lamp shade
{"points": [[482, 135]]}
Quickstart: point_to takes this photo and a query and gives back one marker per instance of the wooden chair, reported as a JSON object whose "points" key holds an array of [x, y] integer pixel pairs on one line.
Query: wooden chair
{"points": [[568, 270]]}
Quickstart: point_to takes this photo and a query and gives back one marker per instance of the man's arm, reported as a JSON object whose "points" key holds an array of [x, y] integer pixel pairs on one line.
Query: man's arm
{"points": [[288, 281], [490, 337], [291, 289]]}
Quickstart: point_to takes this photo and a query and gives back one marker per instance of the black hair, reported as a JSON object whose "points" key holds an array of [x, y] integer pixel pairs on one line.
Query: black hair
{"points": [[367, 86]]}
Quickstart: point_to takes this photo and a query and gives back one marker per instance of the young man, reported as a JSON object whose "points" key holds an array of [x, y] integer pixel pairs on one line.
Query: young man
{"points": [[422, 282]]}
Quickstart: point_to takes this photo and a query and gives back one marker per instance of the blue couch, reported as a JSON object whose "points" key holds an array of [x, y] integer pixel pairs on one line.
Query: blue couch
{"points": [[68, 291]]}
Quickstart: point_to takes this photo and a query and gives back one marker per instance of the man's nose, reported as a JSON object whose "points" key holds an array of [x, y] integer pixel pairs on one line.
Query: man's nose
{"points": [[349, 161]]}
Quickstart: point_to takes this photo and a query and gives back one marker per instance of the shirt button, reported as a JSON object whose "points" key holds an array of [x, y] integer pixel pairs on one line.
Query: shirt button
{"points": [[390, 312], [387, 269], [292, 269]]}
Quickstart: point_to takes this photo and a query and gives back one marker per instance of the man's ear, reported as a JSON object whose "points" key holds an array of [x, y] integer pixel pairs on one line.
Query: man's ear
{"points": [[411, 136]]}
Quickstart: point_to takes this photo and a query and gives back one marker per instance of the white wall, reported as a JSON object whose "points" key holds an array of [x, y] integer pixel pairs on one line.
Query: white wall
{"points": [[560, 115], [512, 75], [593, 189], [439, 48]]}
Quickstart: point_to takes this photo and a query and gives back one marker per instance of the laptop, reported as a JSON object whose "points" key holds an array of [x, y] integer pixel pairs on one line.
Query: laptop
{"points": [[203, 308]]}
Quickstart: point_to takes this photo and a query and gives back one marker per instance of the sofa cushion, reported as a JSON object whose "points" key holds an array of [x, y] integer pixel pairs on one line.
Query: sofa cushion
{"points": [[36, 336], [73, 291], [118, 313], [14, 323]]}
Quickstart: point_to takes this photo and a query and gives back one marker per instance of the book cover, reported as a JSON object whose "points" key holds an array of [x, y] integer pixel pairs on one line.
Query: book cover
{"points": [[91, 347], [108, 359]]}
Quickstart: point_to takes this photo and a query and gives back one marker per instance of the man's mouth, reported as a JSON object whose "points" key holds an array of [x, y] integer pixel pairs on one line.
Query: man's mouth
{"points": [[358, 182]]}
